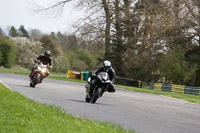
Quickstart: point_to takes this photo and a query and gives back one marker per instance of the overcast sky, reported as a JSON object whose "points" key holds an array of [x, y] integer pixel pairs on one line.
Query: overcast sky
{"points": [[17, 12]]}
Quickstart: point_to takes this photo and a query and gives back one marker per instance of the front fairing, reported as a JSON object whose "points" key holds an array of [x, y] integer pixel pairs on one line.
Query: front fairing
{"points": [[42, 69], [103, 77], [103, 80]]}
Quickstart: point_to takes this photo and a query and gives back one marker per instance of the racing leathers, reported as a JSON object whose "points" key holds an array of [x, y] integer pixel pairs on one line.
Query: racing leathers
{"points": [[45, 61], [93, 81]]}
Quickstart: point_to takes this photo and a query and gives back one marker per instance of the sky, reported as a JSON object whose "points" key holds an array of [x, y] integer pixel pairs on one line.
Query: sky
{"points": [[19, 12]]}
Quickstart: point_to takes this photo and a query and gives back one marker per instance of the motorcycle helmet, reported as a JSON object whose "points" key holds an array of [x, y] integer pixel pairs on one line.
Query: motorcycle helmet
{"points": [[106, 65], [47, 53]]}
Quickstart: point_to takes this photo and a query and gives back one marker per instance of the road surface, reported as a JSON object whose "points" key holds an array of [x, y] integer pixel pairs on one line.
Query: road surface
{"points": [[144, 113]]}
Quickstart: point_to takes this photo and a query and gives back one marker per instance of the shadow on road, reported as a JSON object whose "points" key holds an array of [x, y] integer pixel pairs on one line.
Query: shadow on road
{"points": [[75, 100], [27, 86], [24, 86], [87, 102]]}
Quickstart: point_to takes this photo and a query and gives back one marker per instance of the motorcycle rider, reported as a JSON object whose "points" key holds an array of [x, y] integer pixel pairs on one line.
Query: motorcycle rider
{"points": [[45, 59], [105, 68]]}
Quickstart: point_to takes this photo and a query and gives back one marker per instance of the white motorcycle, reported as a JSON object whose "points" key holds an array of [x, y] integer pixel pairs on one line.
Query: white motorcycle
{"points": [[39, 73]]}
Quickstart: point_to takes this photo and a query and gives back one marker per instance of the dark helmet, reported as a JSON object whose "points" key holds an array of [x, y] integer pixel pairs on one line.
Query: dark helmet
{"points": [[106, 65], [47, 53]]}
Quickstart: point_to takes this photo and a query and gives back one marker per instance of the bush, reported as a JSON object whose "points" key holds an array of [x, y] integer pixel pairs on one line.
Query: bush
{"points": [[87, 58], [61, 64], [28, 50], [8, 52], [75, 63]]}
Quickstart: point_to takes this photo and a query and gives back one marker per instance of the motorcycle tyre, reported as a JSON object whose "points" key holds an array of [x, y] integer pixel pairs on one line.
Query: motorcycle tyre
{"points": [[96, 95], [87, 99], [34, 81]]}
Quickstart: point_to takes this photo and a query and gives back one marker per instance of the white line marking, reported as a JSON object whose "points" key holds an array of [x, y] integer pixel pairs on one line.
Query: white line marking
{"points": [[6, 85]]}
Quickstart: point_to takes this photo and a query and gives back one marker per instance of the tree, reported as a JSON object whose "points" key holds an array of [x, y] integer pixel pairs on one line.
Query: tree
{"points": [[137, 35], [61, 39], [87, 58], [13, 32], [8, 52], [61, 63], [72, 42], [35, 34], [142, 41], [193, 58], [49, 44], [1, 32], [108, 20], [175, 68], [23, 31], [118, 47], [193, 20], [94, 7], [28, 50], [53, 36]]}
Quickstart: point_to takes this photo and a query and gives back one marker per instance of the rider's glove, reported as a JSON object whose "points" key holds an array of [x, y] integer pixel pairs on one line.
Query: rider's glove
{"points": [[50, 67], [35, 60], [93, 75]]}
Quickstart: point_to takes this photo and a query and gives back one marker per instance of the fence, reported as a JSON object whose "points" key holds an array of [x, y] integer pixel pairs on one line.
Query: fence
{"points": [[118, 80], [128, 82], [175, 88]]}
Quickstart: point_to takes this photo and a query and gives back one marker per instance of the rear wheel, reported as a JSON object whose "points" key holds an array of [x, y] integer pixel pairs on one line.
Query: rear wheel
{"points": [[96, 95]]}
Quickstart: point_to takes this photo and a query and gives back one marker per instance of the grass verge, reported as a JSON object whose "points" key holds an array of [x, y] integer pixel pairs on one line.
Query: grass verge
{"points": [[186, 97], [58, 76], [182, 96], [22, 115]]}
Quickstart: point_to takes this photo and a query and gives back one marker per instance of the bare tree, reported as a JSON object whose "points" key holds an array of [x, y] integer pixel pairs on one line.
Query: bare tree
{"points": [[53, 10], [97, 20], [136, 34]]}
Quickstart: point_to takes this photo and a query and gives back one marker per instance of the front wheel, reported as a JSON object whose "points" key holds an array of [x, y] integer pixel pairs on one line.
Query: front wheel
{"points": [[87, 99], [33, 81], [96, 95]]}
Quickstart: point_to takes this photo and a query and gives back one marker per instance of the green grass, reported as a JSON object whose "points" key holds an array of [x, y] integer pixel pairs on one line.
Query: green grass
{"points": [[61, 76], [19, 114], [58, 76], [186, 97], [14, 71]]}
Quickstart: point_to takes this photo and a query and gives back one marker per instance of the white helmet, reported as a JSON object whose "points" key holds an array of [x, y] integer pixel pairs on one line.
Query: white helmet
{"points": [[106, 65]]}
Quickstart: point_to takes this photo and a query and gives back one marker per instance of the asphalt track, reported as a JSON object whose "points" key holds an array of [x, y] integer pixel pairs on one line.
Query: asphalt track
{"points": [[144, 113]]}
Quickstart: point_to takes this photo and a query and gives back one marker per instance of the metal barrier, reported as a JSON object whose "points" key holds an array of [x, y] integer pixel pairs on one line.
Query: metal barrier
{"points": [[128, 82], [118, 80], [175, 88]]}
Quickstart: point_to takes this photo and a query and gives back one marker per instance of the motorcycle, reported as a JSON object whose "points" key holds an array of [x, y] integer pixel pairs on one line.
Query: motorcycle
{"points": [[39, 73], [102, 85]]}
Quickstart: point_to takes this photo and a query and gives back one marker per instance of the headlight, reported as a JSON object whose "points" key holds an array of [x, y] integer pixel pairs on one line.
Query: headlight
{"points": [[105, 77], [89, 79], [39, 68], [43, 70]]}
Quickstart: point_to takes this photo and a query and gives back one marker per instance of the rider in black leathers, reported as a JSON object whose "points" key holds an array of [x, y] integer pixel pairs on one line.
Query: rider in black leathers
{"points": [[105, 68], [45, 59]]}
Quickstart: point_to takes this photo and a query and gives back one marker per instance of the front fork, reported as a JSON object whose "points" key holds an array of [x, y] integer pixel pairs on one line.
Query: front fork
{"points": [[42, 76]]}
